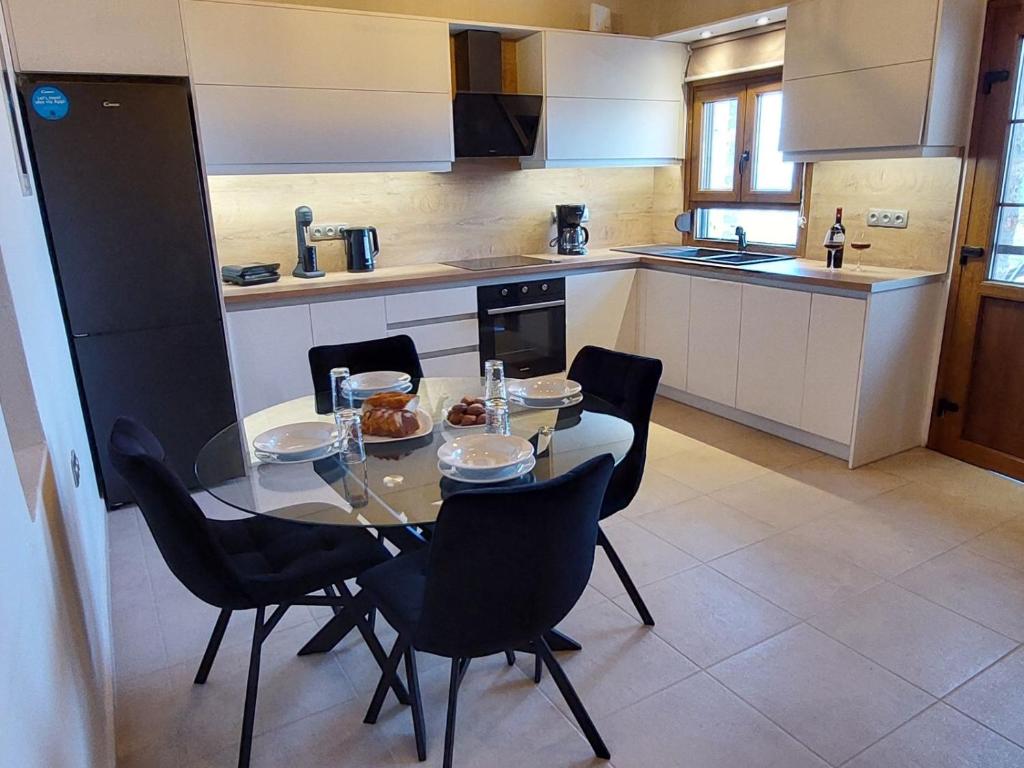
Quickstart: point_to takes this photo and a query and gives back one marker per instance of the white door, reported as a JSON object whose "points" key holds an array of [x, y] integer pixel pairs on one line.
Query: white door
{"points": [[666, 324], [270, 355], [713, 353]]}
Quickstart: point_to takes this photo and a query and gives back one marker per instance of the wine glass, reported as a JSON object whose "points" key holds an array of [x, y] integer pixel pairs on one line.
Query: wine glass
{"points": [[860, 243]]}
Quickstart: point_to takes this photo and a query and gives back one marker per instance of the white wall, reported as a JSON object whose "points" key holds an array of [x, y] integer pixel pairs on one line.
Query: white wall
{"points": [[55, 637]]}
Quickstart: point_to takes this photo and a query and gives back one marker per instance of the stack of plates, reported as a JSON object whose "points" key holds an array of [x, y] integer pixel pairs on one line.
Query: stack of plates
{"points": [[364, 385], [293, 443], [485, 458], [545, 392]]}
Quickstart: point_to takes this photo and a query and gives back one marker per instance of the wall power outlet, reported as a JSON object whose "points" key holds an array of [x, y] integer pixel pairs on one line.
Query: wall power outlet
{"points": [[319, 232], [892, 218]]}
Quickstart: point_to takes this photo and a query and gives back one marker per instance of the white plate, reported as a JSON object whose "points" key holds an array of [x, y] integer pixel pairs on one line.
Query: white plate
{"points": [[377, 381], [296, 440], [543, 388], [271, 458], [449, 425], [426, 427], [484, 452], [548, 405], [509, 473], [363, 394]]}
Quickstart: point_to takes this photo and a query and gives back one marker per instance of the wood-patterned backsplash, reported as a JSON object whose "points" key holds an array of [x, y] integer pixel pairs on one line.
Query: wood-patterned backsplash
{"points": [[481, 208]]}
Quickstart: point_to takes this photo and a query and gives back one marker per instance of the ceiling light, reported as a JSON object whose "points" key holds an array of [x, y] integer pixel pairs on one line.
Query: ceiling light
{"points": [[705, 34], [762, 21]]}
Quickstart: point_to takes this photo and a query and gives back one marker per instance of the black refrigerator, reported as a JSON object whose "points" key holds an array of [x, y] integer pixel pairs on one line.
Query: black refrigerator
{"points": [[125, 211]]}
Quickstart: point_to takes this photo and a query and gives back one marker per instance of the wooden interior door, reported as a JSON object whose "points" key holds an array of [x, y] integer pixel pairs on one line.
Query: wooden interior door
{"points": [[979, 409]]}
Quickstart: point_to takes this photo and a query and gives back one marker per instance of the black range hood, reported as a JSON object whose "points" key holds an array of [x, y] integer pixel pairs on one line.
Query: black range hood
{"points": [[487, 122]]}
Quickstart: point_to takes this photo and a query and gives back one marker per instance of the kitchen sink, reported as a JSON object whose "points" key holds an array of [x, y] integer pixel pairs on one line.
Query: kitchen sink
{"points": [[704, 255]]}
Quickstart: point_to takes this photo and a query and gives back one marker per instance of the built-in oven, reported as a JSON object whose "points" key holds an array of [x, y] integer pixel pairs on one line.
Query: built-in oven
{"points": [[523, 325]]}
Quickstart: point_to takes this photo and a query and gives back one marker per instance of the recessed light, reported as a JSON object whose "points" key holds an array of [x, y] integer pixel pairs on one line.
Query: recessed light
{"points": [[705, 34], [762, 21]]}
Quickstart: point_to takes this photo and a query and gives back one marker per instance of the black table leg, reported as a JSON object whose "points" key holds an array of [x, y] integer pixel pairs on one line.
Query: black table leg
{"points": [[331, 633], [558, 641]]}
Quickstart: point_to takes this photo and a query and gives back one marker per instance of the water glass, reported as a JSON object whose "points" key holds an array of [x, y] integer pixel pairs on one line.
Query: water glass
{"points": [[350, 435], [341, 395], [498, 421], [494, 380]]}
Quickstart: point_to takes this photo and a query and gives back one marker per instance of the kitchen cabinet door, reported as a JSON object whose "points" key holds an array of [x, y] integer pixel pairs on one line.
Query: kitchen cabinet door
{"points": [[613, 129], [430, 305], [599, 311], [581, 65], [462, 364], [773, 352], [666, 323], [269, 355], [713, 354], [833, 366], [341, 322]]}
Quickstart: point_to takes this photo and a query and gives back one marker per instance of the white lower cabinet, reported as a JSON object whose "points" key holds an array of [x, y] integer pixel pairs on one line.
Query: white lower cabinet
{"points": [[341, 322], [714, 339], [269, 355], [773, 352], [599, 311], [833, 366], [666, 324], [462, 364]]}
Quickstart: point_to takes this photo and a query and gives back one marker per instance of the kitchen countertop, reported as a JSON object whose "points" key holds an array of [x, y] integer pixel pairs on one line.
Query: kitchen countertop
{"points": [[795, 273]]}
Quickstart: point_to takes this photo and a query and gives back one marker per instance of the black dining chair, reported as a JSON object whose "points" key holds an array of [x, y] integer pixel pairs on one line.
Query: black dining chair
{"points": [[505, 565], [392, 353], [629, 383], [252, 563]]}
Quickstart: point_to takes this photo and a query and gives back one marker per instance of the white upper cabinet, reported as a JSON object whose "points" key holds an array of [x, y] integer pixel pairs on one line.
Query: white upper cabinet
{"points": [[609, 100], [139, 37], [874, 78], [283, 89]]}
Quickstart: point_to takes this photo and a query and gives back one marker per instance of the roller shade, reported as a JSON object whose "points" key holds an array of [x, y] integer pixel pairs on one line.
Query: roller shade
{"points": [[736, 54]]}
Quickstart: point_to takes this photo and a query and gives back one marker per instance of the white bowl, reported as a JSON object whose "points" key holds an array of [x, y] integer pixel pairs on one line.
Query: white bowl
{"points": [[377, 381], [484, 453], [295, 440], [543, 388]]}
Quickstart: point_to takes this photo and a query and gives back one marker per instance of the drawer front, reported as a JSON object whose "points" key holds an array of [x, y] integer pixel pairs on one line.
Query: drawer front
{"points": [[427, 305], [342, 322], [464, 364], [437, 337]]}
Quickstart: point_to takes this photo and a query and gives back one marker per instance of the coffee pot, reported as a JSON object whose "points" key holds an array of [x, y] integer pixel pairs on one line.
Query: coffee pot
{"points": [[572, 237]]}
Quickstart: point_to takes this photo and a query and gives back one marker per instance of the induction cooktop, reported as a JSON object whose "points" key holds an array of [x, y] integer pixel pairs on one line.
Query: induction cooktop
{"points": [[496, 262]]}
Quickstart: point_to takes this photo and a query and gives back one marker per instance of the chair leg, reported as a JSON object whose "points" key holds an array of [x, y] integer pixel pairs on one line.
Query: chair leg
{"points": [[389, 670], [538, 668], [412, 678], [627, 582], [249, 713], [573, 700], [213, 646], [510, 658], [355, 606], [458, 669]]}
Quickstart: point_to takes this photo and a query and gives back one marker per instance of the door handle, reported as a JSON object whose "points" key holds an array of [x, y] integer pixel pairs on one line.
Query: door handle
{"points": [[969, 252]]}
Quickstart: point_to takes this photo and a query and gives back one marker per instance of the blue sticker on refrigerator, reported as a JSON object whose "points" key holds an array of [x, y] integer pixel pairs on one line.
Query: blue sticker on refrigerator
{"points": [[50, 103]]}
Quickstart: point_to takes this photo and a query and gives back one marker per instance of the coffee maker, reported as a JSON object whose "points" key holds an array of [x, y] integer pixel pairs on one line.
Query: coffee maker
{"points": [[572, 237]]}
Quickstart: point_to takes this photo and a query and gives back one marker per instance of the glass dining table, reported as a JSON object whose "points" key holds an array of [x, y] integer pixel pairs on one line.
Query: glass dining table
{"points": [[399, 489]]}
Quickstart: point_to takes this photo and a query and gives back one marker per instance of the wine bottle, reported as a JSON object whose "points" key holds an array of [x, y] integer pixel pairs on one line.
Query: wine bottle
{"points": [[835, 241]]}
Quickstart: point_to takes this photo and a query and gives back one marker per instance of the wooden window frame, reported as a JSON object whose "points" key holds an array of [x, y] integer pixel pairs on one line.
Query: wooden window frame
{"points": [[746, 89]]}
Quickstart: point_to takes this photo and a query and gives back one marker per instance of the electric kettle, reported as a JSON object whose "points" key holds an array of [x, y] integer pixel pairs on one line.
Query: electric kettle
{"points": [[361, 248]]}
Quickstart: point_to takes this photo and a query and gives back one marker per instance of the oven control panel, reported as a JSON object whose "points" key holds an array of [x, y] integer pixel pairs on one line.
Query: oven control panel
{"points": [[514, 294]]}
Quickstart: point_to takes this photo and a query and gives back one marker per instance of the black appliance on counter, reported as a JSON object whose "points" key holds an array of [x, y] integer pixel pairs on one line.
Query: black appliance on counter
{"points": [[523, 325], [361, 248], [571, 236], [123, 201]]}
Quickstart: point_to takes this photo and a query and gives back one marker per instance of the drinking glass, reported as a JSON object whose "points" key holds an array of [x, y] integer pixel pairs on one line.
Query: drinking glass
{"points": [[498, 421], [494, 380], [860, 243], [350, 435], [341, 395]]}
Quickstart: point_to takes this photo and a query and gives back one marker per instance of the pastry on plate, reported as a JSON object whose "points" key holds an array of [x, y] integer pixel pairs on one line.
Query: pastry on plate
{"points": [[470, 412], [390, 414]]}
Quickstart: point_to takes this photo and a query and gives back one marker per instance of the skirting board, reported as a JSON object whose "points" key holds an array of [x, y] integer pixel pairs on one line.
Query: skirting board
{"points": [[792, 434]]}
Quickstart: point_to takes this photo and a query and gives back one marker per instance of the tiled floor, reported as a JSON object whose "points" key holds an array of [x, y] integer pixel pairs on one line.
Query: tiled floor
{"points": [[807, 616]]}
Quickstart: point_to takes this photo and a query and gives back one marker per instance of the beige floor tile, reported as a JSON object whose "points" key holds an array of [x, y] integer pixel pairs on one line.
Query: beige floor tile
{"points": [[779, 500], [1005, 544], [622, 661], [696, 424], [768, 450], [835, 477], [700, 723], [707, 469], [830, 698], [877, 541], [646, 557], [662, 441], [657, 491], [709, 617], [988, 592], [941, 737], [920, 641], [705, 528], [996, 697], [795, 575]]}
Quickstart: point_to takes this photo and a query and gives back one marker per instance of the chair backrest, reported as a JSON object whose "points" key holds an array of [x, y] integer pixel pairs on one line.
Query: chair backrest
{"points": [[394, 353], [508, 564], [629, 383], [177, 523]]}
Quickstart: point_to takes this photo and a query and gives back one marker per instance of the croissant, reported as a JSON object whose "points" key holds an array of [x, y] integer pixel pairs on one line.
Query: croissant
{"points": [[389, 422], [397, 401]]}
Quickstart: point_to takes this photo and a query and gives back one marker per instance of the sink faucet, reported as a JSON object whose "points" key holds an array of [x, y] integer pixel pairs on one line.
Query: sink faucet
{"points": [[741, 239]]}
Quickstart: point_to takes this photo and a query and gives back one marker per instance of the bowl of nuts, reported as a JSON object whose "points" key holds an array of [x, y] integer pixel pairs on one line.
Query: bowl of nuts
{"points": [[469, 412]]}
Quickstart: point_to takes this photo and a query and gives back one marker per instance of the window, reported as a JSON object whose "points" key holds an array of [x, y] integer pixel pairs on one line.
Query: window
{"points": [[1007, 264], [737, 176]]}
